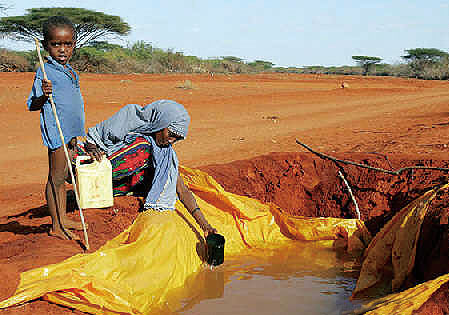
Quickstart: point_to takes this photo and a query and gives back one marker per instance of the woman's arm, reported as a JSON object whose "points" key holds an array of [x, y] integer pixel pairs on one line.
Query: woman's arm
{"points": [[188, 200], [93, 151]]}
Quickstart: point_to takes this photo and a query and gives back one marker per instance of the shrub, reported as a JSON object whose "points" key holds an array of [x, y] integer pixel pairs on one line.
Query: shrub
{"points": [[11, 61], [142, 57], [90, 59], [437, 71]]}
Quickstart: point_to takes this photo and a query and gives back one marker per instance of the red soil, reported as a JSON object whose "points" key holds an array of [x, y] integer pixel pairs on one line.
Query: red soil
{"points": [[383, 122]]}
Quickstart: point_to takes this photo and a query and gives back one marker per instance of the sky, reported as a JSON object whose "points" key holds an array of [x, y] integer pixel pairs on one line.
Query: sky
{"points": [[287, 33]]}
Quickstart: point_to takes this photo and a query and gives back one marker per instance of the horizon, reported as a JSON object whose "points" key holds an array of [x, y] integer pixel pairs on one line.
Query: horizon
{"points": [[288, 33]]}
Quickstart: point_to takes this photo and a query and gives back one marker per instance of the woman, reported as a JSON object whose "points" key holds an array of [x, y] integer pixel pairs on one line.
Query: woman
{"points": [[139, 142]]}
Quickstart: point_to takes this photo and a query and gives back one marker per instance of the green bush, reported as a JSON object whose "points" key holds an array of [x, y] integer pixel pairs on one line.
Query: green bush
{"points": [[142, 57], [11, 61], [90, 59]]}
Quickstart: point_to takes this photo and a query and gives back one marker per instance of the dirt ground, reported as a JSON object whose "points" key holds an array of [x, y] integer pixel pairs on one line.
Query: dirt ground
{"points": [[389, 122]]}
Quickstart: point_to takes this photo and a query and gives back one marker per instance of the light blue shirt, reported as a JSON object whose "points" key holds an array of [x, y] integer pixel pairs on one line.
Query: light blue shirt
{"points": [[68, 100]]}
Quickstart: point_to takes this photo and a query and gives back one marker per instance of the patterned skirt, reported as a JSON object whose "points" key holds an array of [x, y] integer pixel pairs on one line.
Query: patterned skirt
{"points": [[132, 169]]}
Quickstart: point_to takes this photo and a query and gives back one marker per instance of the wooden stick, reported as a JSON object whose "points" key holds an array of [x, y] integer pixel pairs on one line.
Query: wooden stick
{"points": [[397, 172], [350, 193], [53, 106]]}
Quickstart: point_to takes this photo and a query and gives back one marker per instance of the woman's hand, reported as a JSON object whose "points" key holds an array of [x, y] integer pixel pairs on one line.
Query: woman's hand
{"points": [[202, 222], [208, 229], [93, 151]]}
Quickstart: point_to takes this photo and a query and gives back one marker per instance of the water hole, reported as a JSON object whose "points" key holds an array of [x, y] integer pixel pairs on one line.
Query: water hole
{"points": [[296, 278]]}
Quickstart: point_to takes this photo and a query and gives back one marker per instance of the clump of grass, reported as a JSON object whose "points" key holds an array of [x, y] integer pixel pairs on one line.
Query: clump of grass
{"points": [[186, 85]]}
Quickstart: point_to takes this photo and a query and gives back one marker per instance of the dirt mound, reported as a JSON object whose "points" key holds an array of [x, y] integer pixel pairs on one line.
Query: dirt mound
{"points": [[304, 184]]}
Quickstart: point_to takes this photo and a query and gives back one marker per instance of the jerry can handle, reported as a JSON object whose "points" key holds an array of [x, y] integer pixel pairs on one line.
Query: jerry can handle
{"points": [[80, 158]]}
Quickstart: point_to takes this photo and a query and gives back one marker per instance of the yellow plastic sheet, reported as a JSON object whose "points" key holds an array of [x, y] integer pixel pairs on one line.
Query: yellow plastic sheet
{"points": [[390, 256], [251, 215], [405, 302], [140, 270]]}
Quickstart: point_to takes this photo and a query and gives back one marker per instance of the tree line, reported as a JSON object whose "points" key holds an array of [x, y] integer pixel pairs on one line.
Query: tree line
{"points": [[95, 54], [423, 63]]}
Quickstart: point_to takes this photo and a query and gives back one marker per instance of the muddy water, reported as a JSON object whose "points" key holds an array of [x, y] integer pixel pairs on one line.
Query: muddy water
{"points": [[299, 278]]}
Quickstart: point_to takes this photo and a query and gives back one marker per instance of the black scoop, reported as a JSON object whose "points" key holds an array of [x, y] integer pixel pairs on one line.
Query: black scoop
{"points": [[215, 249]]}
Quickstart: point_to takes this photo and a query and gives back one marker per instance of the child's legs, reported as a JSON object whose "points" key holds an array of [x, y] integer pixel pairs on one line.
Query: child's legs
{"points": [[69, 223], [55, 189], [56, 193]]}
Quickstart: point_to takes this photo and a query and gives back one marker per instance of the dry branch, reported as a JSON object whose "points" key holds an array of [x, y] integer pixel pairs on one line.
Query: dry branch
{"points": [[336, 161], [397, 172]]}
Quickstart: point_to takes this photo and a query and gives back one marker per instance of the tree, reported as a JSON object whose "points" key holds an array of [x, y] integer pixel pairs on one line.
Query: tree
{"points": [[425, 54], [366, 62], [103, 46], [261, 65], [89, 25], [232, 59], [421, 58], [142, 50]]}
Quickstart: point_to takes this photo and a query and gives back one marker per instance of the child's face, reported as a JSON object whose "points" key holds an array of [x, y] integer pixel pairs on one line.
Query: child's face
{"points": [[61, 44]]}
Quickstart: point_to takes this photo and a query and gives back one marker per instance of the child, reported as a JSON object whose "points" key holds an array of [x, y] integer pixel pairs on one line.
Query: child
{"points": [[63, 84]]}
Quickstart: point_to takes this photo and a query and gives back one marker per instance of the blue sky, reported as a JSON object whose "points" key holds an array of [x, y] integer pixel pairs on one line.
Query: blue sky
{"points": [[287, 33]]}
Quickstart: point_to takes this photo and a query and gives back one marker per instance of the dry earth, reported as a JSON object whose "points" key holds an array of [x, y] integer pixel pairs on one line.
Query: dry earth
{"points": [[386, 122]]}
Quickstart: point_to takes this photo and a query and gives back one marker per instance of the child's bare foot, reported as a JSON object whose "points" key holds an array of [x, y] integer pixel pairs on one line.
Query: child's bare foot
{"points": [[74, 225], [61, 234]]}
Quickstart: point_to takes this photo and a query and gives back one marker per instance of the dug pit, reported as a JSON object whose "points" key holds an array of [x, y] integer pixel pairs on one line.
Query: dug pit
{"points": [[307, 185]]}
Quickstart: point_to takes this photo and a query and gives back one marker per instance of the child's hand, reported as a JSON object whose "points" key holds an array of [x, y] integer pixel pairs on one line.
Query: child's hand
{"points": [[47, 87]]}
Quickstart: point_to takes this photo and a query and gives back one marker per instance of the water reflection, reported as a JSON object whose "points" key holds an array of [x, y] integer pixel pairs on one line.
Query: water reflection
{"points": [[298, 278]]}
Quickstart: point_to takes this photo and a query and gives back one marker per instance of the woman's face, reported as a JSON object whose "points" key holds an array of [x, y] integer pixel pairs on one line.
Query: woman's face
{"points": [[164, 138]]}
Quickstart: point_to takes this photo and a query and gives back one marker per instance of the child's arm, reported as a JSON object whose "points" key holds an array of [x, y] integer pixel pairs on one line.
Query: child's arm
{"points": [[188, 200], [38, 102]]}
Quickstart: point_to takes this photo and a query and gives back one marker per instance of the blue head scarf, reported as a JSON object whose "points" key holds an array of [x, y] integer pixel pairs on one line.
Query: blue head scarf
{"points": [[110, 134], [133, 121]]}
